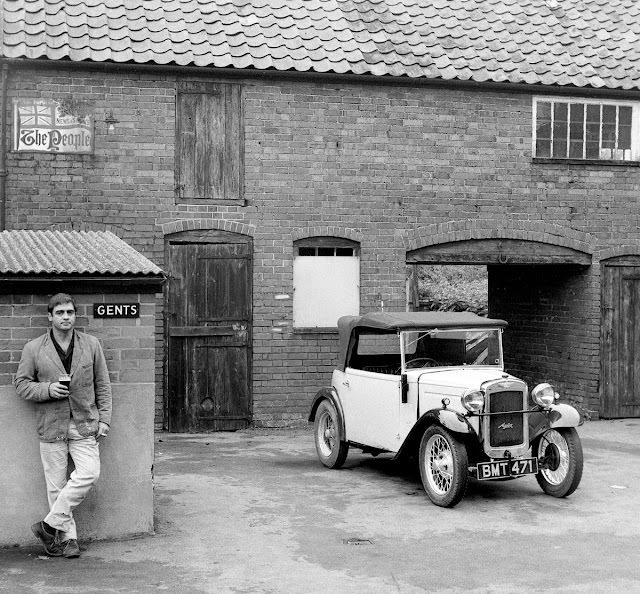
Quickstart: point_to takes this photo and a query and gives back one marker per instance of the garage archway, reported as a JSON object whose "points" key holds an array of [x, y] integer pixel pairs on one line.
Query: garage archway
{"points": [[544, 290]]}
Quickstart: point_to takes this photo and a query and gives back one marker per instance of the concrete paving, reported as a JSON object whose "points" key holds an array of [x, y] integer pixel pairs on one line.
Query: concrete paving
{"points": [[255, 512]]}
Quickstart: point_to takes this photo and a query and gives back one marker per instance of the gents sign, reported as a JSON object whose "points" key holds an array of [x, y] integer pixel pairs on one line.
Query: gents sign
{"points": [[48, 126], [116, 310]]}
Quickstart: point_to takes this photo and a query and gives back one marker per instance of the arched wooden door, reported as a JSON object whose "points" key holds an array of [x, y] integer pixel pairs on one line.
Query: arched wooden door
{"points": [[209, 332], [620, 343]]}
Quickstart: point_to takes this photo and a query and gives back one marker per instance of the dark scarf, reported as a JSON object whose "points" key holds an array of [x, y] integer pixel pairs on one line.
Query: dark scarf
{"points": [[67, 356]]}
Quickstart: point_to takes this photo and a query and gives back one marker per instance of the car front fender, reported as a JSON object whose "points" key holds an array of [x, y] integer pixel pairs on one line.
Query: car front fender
{"points": [[452, 420], [558, 415], [331, 395], [444, 417]]}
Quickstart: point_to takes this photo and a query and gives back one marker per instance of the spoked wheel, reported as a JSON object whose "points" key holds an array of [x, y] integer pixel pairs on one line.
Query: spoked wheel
{"points": [[330, 445], [443, 466], [559, 453]]}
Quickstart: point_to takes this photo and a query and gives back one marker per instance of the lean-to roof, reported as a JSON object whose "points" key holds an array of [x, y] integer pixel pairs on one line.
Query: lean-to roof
{"points": [[24, 252]]}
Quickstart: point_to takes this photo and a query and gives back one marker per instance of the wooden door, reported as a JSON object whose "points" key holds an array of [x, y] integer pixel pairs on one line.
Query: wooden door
{"points": [[620, 351], [209, 336]]}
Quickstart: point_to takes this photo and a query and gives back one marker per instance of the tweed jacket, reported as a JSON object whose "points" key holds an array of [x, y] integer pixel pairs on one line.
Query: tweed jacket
{"points": [[89, 401]]}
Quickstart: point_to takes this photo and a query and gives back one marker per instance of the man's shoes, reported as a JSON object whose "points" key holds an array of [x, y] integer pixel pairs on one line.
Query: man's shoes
{"points": [[70, 548], [51, 545]]}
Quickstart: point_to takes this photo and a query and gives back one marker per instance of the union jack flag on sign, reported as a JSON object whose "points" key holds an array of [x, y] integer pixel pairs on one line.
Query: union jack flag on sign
{"points": [[36, 115]]}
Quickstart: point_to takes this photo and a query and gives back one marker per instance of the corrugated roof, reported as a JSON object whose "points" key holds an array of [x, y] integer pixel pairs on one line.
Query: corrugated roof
{"points": [[70, 252], [565, 42]]}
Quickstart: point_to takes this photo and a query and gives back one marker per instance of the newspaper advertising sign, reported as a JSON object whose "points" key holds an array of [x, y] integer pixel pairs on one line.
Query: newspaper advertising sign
{"points": [[48, 126]]}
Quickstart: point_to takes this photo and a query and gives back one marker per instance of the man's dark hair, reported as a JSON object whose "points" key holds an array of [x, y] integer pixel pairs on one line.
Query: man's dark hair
{"points": [[59, 299]]}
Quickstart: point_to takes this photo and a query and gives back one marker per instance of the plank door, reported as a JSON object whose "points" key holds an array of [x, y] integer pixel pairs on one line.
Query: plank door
{"points": [[620, 349], [209, 336]]}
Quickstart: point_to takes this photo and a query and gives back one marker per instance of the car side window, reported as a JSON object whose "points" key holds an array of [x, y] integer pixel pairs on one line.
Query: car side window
{"points": [[377, 353]]}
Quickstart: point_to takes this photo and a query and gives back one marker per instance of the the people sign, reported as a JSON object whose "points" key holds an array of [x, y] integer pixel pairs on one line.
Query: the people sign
{"points": [[44, 125]]}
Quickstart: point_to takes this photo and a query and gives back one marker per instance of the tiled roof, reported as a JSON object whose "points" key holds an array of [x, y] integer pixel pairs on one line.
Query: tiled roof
{"points": [[70, 252], [566, 42]]}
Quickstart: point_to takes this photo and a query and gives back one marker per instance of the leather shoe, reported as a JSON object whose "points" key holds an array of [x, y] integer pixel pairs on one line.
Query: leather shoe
{"points": [[70, 548], [51, 545]]}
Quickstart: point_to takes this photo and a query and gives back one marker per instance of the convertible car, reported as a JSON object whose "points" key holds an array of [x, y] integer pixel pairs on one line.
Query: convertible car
{"points": [[432, 385]]}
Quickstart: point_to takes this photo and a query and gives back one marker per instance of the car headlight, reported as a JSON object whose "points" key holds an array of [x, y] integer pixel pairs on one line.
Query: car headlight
{"points": [[473, 400], [544, 395]]}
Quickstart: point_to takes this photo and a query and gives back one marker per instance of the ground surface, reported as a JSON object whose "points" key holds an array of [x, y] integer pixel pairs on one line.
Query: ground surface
{"points": [[254, 512]]}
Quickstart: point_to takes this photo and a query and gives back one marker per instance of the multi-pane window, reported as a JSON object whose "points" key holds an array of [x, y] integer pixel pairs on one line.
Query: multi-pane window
{"points": [[326, 281], [586, 129]]}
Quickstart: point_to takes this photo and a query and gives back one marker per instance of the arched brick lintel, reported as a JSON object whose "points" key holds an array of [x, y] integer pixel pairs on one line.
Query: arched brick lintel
{"points": [[618, 251], [326, 231], [82, 226], [207, 224], [466, 229]]}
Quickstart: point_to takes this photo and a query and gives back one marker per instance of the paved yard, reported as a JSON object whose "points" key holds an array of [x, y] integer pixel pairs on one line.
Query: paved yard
{"points": [[254, 511]]}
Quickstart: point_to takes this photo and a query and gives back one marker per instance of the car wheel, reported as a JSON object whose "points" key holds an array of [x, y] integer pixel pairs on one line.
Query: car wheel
{"points": [[443, 466], [559, 453], [330, 445]]}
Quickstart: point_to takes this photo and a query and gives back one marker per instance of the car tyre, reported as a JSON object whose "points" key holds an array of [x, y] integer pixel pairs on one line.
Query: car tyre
{"points": [[561, 451], [329, 437], [443, 466]]}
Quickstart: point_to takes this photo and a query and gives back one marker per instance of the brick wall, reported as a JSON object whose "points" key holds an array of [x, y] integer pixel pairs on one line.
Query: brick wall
{"points": [[383, 163], [128, 344]]}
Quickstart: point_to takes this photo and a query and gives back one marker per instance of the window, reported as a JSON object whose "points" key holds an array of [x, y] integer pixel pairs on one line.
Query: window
{"points": [[326, 281], [376, 352], [443, 348], [586, 129], [209, 142]]}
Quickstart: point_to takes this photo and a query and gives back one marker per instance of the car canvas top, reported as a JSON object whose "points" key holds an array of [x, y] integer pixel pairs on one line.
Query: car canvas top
{"points": [[418, 320]]}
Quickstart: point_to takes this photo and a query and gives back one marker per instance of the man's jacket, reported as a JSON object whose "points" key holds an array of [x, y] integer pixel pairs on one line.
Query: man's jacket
{"points": [[89, 401]]}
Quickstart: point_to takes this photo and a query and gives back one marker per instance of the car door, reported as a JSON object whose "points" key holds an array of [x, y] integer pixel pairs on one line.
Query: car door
{"points": [[371, 403]]}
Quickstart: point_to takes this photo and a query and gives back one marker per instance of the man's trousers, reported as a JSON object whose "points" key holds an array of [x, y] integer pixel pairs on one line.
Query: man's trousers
{"points": [[64, 494]]}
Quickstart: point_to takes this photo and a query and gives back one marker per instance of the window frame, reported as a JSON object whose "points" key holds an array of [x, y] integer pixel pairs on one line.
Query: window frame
{"points": [[324, 243], [634, 159]]}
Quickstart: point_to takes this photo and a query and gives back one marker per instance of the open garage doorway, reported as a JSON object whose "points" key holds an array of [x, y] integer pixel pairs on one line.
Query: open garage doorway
{"points": [[552, 335], [548, 295]]}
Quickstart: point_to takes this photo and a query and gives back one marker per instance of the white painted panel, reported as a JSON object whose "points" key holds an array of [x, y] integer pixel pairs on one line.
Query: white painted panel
{"points": [[325, 288]]}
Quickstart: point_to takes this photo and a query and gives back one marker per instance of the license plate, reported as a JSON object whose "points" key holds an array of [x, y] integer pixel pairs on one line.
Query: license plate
{"points": [[506, 468]]}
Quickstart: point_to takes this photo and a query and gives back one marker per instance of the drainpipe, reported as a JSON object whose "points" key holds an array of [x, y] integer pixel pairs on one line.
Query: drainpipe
{"points": [[3, 148]]}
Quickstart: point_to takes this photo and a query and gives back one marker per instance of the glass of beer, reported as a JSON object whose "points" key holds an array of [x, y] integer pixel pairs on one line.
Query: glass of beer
{"points": [[65, 380]]}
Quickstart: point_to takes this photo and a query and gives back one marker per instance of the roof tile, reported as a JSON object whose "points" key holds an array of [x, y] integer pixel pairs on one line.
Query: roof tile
{"points": [[537, 41]]}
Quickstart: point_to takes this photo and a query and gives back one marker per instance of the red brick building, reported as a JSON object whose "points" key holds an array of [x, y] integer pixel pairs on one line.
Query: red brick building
{"points": [[283, 162]]}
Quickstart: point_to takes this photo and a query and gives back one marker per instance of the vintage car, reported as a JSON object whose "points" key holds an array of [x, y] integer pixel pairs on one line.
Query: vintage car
{"points": [[432, 385]]}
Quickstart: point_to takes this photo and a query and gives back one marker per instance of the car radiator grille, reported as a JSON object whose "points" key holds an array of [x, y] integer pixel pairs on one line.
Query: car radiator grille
{"points": [[506, 428]]}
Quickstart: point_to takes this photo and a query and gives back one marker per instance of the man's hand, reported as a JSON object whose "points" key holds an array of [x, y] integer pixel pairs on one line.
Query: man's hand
{"points": [[103, 430], [58, 391]]}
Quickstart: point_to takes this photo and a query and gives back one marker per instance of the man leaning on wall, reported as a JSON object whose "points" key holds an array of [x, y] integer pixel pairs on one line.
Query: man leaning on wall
{"points": [[64, 374]]}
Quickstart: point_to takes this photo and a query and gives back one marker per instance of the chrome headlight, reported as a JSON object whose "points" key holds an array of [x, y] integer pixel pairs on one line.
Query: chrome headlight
{"points": [[473, 400], [544, 395]]}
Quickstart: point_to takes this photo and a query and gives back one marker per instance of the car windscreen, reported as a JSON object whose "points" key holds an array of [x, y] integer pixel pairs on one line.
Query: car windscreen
{"points": [[435, 348]]}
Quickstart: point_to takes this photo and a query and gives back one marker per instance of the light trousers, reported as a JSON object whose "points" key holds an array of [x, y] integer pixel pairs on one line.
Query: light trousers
{"points": [[64, 494]]}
